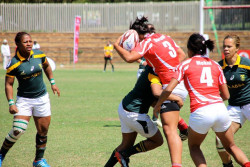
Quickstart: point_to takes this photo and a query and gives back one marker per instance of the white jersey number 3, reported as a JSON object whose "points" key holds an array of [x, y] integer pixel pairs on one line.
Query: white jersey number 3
{"points": [[172, 52], [206, 76]]}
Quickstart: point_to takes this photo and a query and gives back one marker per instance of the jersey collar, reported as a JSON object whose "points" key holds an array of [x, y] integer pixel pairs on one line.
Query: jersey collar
{"points": [[235, 64], [21, 57]]}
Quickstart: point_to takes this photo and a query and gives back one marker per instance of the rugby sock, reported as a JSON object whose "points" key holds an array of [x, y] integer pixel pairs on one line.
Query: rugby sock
{"points": [[5, 147], [113, 68], [112, 160], [176, 165], [134, 150], [182, 125], [230, 164], [246, 164], [39, 153]]}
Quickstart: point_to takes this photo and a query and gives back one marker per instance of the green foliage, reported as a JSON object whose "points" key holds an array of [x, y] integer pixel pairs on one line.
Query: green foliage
{"points": [[85, 126]]}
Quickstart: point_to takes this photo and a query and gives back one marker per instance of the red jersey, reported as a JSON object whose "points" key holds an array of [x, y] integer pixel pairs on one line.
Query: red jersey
{"points": [[160, 52], [202, 78]]}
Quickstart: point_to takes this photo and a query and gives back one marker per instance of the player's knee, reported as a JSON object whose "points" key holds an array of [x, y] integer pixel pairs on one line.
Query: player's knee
{"points": [[40, 140], [19, 128], [219, 145]]}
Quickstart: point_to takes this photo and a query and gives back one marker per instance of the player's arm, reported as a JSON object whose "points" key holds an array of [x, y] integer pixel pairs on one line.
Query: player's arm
{"points": [[224, 93], [9, 82], [156, 88], [127, 56], [142, 62], [181, 54], [165, 95], [48, 71]]}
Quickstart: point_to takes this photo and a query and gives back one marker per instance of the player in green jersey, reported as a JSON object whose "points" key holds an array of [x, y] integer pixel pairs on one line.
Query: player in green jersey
{"points": [[237, 72], [27, 67], [133, 114]]}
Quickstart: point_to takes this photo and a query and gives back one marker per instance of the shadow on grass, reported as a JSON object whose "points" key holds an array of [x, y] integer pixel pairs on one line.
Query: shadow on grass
{"points": [[112, 126]]}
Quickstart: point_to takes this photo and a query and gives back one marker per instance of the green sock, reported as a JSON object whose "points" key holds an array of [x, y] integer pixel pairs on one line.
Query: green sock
{"points": [[112, 160]]}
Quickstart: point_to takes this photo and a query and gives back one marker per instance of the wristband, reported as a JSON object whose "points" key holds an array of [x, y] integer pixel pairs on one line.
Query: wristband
{"points": [[52, 81], [11, 102], [142, 61]]}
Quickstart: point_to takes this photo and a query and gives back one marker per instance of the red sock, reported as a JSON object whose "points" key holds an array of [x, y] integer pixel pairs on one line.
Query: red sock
{"points": [[176, 165], [182, 125], [246, 164]]}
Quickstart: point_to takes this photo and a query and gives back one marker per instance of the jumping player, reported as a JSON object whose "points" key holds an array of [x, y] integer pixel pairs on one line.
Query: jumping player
{"points": [[207, 89]]}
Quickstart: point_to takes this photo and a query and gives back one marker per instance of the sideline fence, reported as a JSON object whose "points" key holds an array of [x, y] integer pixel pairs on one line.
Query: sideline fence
{"points": [[116, 17]]}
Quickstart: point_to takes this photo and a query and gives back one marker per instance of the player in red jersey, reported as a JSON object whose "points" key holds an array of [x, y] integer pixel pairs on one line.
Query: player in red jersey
{"points": [[206, 84], [163, 55]]}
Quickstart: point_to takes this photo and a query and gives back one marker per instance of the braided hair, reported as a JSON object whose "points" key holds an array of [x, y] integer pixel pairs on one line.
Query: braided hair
{"points": [[140, 25], [198, 45]]}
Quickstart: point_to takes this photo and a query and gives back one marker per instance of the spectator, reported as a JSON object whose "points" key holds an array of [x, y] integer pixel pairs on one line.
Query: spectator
{"points": [[5, 52], [36, 45]]}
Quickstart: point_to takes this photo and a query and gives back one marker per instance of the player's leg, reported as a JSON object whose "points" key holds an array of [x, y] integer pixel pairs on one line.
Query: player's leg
{"points": [[224, 155], [128, 137], [169, 118], [144, 126], [105, 64], [237, 117], [20, 124], [183, 128], [113, 68], [194, 141], [42, 118], [228, 143]]}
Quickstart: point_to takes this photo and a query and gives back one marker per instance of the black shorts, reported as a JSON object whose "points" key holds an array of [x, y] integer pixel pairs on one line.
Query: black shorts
{"points": [[107, 58], [172, 106]]}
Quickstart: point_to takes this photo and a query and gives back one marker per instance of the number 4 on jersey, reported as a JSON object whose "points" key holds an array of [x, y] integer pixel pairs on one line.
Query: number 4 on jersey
{"points": [[206, 76]]}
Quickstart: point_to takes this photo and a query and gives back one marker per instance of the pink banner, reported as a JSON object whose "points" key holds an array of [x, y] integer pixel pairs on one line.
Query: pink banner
{"points": [[76, 38]]}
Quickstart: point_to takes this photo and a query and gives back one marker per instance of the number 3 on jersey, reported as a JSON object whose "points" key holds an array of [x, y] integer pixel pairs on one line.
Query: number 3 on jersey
{"points": [[172, 52], [206, 76]]}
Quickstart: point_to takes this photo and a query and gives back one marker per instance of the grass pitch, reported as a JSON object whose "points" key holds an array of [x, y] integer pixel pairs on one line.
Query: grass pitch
{"points": [[85, 127]]}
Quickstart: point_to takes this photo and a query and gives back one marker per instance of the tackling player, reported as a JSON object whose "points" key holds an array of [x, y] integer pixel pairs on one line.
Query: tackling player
{"points": [[207, 89], [32, 97], [163, 55], [133, 114]]}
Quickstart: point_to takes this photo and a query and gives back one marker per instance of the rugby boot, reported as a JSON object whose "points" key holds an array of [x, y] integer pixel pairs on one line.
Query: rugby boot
{"points": [[41, 163], [123, 160], [184, 135]]}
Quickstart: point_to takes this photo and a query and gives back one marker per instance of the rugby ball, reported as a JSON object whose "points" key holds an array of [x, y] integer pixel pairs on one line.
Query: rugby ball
{"points": [[51, 63], [129, 40]]}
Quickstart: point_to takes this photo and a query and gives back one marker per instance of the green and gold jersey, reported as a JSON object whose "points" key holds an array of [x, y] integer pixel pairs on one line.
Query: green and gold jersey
{"points": [[29, 74], [140, 98], [238, 81]]}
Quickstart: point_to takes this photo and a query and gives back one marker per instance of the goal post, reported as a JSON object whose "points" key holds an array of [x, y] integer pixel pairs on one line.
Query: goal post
{"points": [[209, 6]]}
